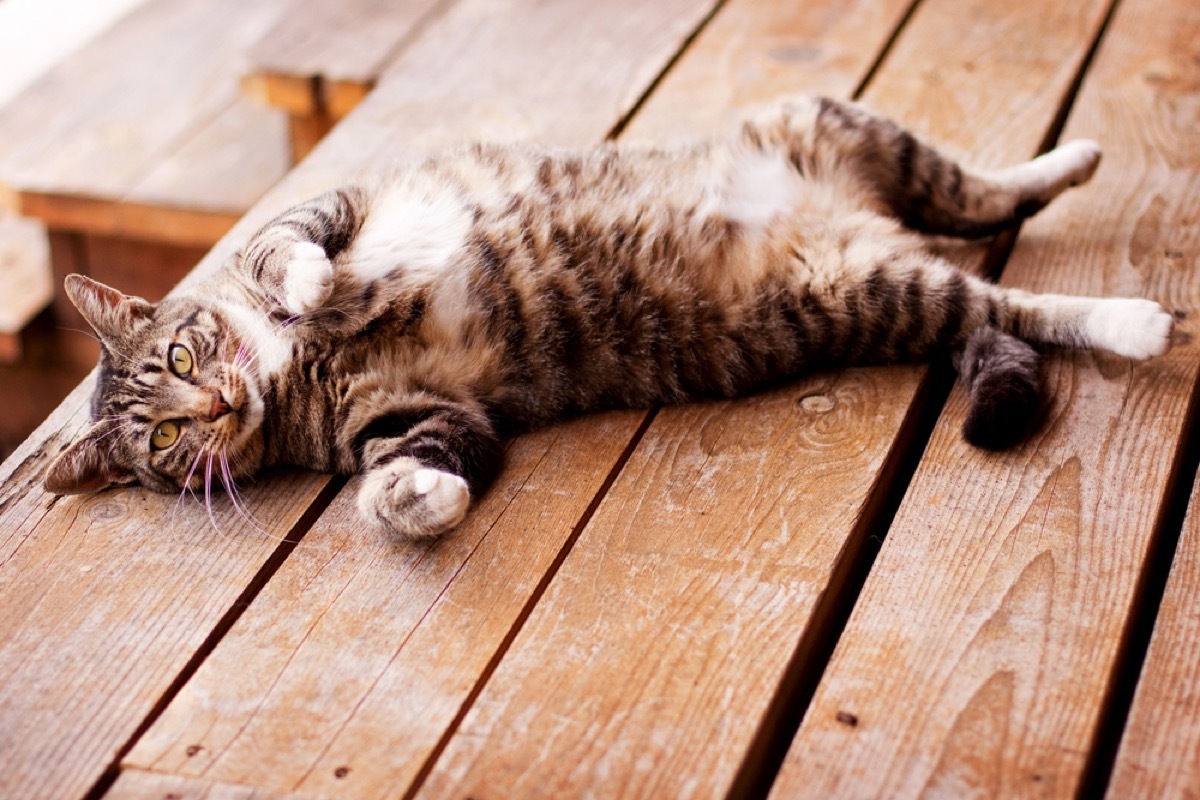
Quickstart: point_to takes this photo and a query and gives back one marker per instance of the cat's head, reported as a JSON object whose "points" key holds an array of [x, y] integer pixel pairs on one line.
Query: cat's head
{"points": [[177, 399]]}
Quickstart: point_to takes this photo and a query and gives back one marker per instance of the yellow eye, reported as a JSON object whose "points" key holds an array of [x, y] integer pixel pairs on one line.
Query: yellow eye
{"points": [[165, 435], [180, 360]]}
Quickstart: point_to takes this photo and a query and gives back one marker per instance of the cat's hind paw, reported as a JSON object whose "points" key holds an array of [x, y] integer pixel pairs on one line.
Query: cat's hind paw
{"points": [[308, 281], [412, 501], [1074, 162], [1131, 327]]}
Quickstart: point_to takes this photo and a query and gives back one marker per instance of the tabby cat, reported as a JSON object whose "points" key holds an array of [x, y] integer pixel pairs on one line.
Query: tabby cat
{"points": [[404, 326]]}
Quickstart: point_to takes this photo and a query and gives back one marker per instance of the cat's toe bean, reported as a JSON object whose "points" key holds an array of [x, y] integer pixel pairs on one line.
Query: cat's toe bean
{"points": [[1133, 328], [309, 279]]}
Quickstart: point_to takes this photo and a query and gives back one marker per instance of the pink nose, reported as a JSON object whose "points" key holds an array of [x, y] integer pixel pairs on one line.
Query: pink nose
{"points": [[219, 407]]}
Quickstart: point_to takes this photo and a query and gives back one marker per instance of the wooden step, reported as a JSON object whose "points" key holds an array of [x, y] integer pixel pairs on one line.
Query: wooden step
{"points": [[320, 61]]}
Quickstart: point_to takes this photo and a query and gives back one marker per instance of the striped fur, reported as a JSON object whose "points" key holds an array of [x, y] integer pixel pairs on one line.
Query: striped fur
{"points": [[404, 326]]}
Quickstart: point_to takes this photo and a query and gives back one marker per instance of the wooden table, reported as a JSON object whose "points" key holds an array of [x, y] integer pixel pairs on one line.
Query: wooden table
{"points": [[818, 592]]}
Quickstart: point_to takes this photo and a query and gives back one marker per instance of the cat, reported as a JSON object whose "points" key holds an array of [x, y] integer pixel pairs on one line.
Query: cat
{"points": [[404, 326]]}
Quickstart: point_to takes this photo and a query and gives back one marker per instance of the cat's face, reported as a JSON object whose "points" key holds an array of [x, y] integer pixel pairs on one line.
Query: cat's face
{"points": [[177, 402]]}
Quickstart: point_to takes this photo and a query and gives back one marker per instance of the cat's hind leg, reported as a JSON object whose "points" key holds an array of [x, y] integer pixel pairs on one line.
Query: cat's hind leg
{"points": [[905, 178]]}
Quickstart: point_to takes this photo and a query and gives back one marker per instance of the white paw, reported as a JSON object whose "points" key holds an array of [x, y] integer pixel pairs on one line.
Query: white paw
{"points": [[1132, 328], [1067, 165], [446, 495], [413, 501], [1079, 159], [309, 279]]}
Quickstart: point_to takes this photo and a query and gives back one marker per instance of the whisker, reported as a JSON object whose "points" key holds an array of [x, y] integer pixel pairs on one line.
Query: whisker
{"points": [[187, 483], [89, 334], [208, 494], [236, 499]]}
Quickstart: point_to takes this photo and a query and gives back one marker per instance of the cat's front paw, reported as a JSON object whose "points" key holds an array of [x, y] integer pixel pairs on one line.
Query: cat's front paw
{"points": [[308, 281], [413, 501]]}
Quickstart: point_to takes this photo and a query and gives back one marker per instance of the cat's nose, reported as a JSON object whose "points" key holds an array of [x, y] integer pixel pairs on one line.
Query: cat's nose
{"points": [[219, 407]]}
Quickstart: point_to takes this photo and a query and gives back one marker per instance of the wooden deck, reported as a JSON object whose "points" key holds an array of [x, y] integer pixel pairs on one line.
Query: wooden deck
{"points": [[819, 592]]}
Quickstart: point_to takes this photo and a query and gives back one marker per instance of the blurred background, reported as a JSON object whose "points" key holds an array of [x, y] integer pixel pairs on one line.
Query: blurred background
{"points": [[135, 133], [39, 365]]}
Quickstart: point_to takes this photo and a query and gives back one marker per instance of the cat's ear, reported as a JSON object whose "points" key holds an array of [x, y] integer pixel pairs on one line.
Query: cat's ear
{"points": [[111, 313], [87, 465]]}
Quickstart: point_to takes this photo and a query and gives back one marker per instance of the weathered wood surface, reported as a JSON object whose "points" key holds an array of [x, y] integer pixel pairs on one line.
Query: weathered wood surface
{"points": [[105, 601], [654, 657], [620, 613], [137, 785], [77, 145], [978, 656], [1151, 85]]}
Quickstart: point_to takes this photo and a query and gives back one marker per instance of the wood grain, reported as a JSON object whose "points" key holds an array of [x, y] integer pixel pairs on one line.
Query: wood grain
{"points": [[757, 52], [137, 785], [430, 621], [1160, 751], [221, 170], [978, 655], [362, 650]]}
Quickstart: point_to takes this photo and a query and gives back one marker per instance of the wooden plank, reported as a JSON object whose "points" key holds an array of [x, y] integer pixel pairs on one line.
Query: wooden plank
{"points": [[306, 132], [756, 53], [81, 137], [355, 631], [1162, 737], [147, 269], [138, 785], [326, 56], [652, 661], [978, 655], [220, 171]]}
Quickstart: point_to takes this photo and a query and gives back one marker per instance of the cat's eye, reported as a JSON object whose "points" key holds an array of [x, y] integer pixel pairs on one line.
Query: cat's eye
{"points": [[180, 360], [165, 435]]}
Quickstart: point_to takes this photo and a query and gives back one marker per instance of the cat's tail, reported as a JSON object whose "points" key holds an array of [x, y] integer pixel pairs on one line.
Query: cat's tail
{"points": [[1004, 381]]}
